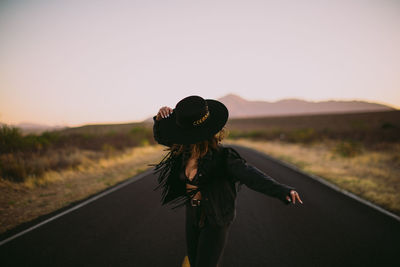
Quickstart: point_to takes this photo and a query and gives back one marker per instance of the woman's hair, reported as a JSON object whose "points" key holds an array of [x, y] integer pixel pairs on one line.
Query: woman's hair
{"points": [[200, 149]]}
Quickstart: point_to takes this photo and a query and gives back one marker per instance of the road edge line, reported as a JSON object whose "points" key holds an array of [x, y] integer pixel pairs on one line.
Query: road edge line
{"points": [[326, 183], [83, 203]]}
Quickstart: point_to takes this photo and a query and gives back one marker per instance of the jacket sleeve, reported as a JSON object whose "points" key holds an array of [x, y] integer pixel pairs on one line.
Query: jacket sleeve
{"points": [[158, 135], [254, 178]]}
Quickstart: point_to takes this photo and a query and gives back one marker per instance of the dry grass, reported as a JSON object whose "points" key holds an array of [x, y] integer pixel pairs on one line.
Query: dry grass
{"points": [[373, 174], [21, 202], [367, 128]]}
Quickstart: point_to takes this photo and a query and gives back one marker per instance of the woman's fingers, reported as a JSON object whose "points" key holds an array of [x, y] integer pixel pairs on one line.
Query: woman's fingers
{"points": [[165, 112], [162, 112], [294, 195], [168, 111], [298, 197]]}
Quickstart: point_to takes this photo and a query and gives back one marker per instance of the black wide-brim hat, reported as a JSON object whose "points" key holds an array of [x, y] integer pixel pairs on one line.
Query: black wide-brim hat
{"points": [[193, 120]]}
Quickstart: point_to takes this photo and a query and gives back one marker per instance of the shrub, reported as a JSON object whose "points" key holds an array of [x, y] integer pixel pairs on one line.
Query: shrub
{"points": [[348, 148], [388, 125], [304, 135], [10, 139]]}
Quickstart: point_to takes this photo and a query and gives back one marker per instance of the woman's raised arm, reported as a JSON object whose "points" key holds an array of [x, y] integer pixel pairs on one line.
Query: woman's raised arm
{"points": [[163, 113]]}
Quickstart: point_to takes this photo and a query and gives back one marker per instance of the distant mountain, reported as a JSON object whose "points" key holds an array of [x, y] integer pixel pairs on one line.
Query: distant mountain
{"points": [[241, 108]]}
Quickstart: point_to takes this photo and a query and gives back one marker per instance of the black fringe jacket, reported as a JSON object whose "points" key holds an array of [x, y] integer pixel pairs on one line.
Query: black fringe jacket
{"points": [[221, 175]]}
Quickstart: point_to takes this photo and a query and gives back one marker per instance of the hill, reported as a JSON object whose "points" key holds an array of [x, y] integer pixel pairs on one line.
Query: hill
{"points": [[242, 108]]}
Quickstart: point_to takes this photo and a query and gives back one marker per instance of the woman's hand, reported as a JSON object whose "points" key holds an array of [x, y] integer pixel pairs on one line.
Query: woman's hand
{"points": [[294, 196], [163, 113]]}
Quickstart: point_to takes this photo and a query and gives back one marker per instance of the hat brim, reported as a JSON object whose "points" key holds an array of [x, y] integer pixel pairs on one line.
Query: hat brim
{"points": [[213, 124]]}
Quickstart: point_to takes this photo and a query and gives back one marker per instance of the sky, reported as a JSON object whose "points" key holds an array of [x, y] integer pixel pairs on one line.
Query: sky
{"points": [[80, 61]]}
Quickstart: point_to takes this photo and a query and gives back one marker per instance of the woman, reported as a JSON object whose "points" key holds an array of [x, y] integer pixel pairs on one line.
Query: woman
{"points": [[201, 174]]}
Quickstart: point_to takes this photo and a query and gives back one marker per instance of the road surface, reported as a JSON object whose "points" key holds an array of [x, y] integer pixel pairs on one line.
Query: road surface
{"points": [[128, 227]]}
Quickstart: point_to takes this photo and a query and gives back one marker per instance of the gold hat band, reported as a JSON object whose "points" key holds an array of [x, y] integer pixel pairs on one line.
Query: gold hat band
{"points": [[195, 123]]}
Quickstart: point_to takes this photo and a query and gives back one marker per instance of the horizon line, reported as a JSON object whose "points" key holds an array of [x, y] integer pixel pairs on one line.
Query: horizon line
{"points": [[234, 94]]}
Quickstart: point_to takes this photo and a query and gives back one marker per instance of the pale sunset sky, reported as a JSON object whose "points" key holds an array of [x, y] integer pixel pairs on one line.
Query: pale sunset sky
{"points": [[74, 62]]}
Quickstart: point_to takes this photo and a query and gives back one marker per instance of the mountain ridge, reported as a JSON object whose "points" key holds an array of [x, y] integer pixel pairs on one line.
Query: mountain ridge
{"points": [[240, 107]]}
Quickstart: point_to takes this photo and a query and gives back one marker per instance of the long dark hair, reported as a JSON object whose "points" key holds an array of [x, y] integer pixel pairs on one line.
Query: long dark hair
{"points": [[200, 149]]}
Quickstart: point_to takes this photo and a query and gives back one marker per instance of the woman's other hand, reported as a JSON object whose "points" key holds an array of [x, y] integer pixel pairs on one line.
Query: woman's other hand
{"points": [[293, 196], [163, 113]]}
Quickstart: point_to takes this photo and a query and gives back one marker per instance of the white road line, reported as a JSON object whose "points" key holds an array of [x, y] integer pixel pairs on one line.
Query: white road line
{"points": [[131, 180], [332, 186]]}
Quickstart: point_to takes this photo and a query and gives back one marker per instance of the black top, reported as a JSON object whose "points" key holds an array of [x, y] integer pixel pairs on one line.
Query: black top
{"points": [[183, 177]]}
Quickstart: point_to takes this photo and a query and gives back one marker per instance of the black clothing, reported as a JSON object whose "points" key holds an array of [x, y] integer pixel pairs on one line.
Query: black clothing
{"points": [[184, 178], [221, 173], [205, 243]]}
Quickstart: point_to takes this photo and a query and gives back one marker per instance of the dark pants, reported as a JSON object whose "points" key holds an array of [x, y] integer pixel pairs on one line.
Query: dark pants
{"points": [[205, 243]]}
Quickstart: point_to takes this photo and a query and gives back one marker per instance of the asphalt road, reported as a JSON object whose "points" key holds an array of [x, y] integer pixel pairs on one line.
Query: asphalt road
{"points": [[128, 227]]}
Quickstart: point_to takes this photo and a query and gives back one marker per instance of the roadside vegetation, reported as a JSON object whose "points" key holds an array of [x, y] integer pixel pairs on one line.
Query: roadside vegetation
{"points": [[358, 152], [354, 130], [40, 173], [29, 156]]}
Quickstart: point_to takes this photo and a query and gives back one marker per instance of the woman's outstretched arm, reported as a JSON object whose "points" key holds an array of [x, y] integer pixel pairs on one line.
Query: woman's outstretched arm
{"points": [[257, 180]]}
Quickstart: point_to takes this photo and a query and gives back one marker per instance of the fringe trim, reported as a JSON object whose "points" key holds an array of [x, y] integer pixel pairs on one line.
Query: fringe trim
{"points": [[171, 193]]}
